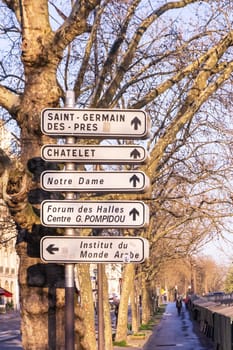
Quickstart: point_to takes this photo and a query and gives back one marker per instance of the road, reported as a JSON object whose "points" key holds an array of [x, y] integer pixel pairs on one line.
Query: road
{"points": [[10, 337]]}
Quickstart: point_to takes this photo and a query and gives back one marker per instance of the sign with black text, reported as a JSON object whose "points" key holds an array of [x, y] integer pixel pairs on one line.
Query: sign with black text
{"points": [[104, 123], [94, 154], [95, 181], [67, 249], [110, 214]]}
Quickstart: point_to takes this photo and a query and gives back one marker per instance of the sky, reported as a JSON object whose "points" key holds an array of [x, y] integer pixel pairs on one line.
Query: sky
{"points": [[220, 250]]}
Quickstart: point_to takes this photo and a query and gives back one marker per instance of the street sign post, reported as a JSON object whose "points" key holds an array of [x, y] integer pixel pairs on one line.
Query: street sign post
{"points": [[95, 181], [70, 122], [104, 123], [94, 154], [67, 249], [110, 214]]}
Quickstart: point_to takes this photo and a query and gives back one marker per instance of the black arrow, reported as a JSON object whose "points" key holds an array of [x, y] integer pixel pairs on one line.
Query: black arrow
{"points": [[134, 212], [51, 249], [135, 154], [136, 122], [135, 179]]}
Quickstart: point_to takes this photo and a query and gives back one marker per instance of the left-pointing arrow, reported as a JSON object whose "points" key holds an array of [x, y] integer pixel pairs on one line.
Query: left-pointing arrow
{"points": [[51, 249]]}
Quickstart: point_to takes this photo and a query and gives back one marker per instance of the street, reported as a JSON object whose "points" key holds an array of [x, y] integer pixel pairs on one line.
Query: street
{"points": [[10, 331]]}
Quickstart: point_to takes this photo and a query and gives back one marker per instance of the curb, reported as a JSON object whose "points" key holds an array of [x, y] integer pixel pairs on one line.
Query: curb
{"points": [[134, 344]]}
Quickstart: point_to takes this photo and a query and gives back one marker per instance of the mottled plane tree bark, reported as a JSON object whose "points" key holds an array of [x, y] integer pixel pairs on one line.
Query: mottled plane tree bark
{"points": [[121, 54]]}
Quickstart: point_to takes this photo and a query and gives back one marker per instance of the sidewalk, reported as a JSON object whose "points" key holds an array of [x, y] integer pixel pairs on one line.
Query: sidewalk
{"points": [[172, 332]]}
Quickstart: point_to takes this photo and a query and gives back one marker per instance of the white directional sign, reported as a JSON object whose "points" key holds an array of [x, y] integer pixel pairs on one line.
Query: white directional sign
{"points": [[74, 249], [94, 154], [110, 214], [105, 123], [95, 181]]}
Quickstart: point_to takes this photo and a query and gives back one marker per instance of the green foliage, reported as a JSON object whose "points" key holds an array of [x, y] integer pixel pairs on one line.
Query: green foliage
{"points": [[129, 326], [9, 305], [146, 327], [155, 320], [142, 335], [228, 286], [120, 343]]}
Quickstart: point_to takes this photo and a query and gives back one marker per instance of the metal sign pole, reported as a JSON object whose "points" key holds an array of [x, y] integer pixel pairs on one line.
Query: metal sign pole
{"points": [[100, 273], [69, 268], [69, 307]]}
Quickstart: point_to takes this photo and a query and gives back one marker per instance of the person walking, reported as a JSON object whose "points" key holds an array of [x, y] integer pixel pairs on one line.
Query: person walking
{"points": [[179, 304], [116, 303]]}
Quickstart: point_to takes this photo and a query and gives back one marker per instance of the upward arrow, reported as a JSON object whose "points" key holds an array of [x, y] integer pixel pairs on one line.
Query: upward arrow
{"points": [[134, 179], [135, 154], [136, 122], [134, 212]]}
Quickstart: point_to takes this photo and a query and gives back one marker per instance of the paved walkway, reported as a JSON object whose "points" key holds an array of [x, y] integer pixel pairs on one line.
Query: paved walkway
{"points": [[172, 333]]}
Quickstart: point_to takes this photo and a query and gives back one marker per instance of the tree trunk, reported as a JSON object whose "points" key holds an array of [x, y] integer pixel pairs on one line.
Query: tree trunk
{"points": [[107, 316], [128, 280], [134, 310], [134, 307], [41, 285], [87, 306], [34, 310], [146, 304]]}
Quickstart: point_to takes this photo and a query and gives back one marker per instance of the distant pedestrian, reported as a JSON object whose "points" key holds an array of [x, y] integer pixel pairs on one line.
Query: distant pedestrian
{"points": [[187, 301], [179, 305], [116, 303]]}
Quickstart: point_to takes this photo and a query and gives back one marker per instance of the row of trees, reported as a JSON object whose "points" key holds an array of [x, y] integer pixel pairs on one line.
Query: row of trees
{"points": [[172, 59], [229, 281], [199, 275]]}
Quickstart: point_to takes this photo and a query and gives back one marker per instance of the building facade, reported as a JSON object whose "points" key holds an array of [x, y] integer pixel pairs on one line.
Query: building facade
{"points": [[9, 261]]}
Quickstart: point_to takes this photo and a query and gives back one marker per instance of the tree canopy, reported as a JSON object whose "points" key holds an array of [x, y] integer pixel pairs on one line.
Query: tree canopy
{"points": [[173, 59]]}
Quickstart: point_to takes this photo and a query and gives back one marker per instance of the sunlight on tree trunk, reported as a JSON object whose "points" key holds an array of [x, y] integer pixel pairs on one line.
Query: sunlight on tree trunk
{"points": [[128, 281], [87, 305], [107, 316], [134, 302], [146, 301]]}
